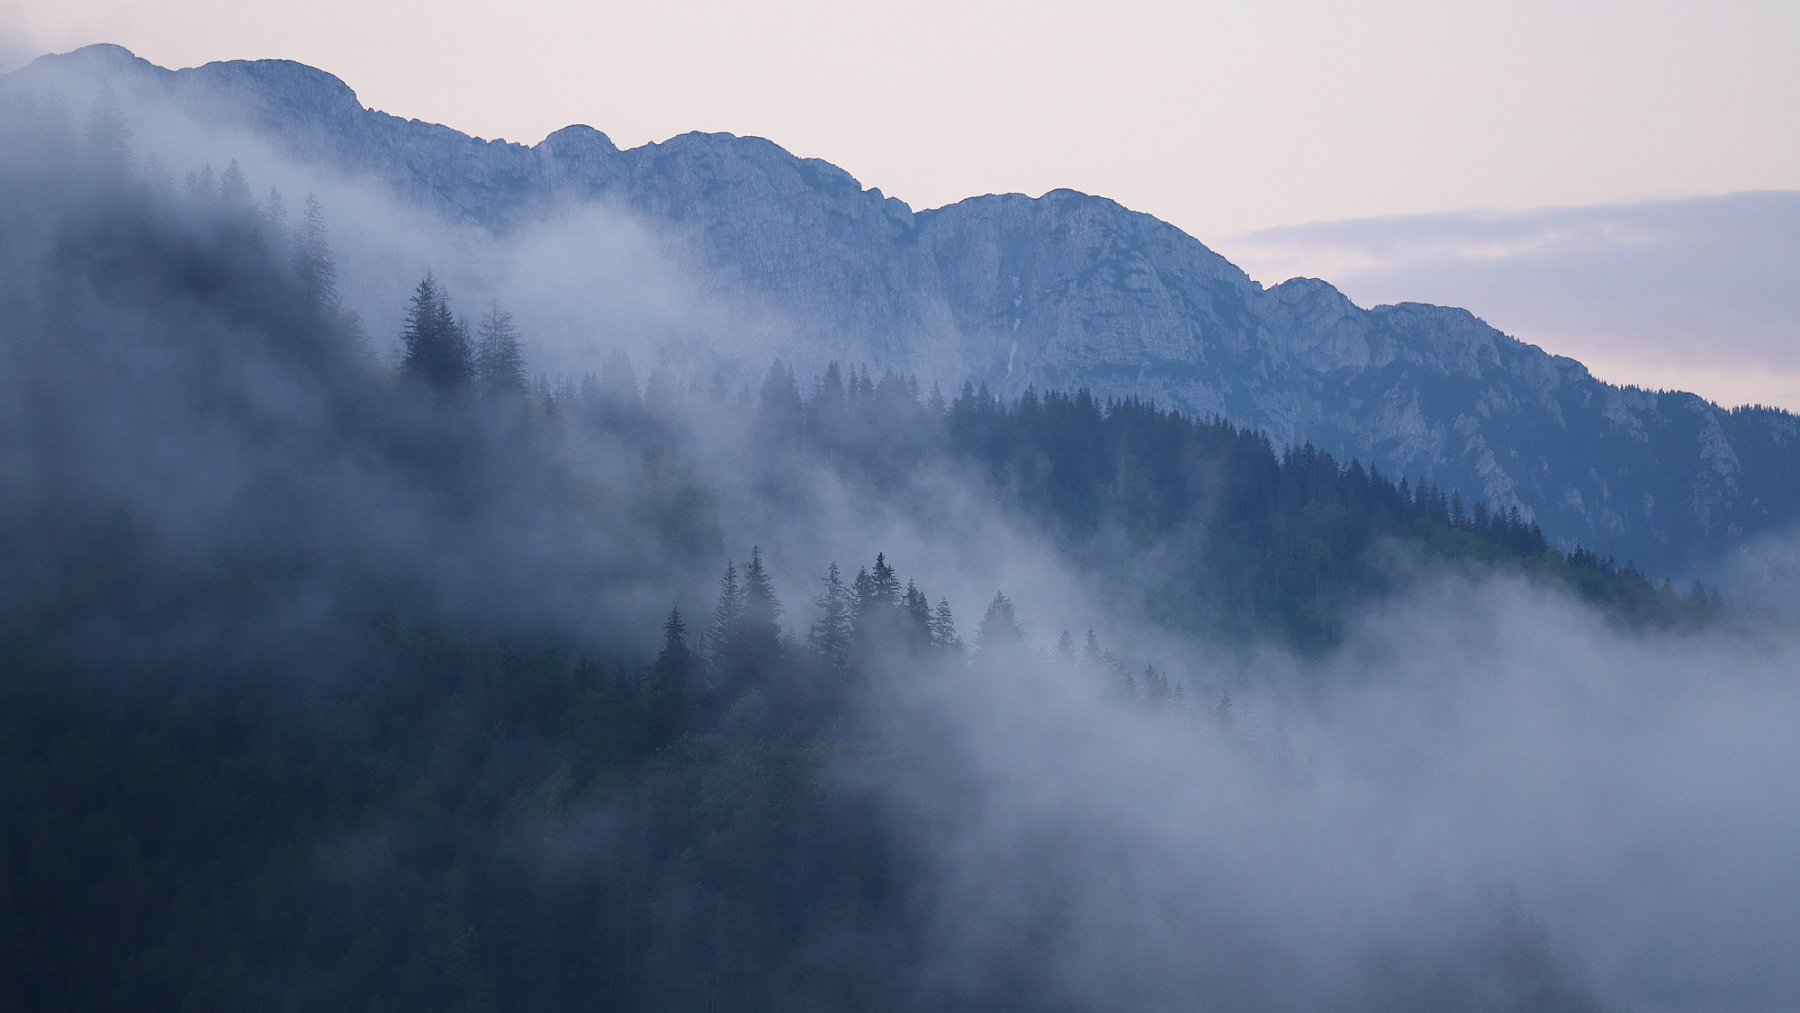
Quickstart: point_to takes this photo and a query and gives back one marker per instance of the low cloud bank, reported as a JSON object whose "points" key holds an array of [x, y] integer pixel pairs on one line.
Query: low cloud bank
{"points": [[1489, 798]]}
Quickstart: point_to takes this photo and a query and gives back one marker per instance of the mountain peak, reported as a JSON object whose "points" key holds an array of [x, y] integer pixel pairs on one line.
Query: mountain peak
{"points": [[277, 82], [1064, 291], [103, 56]]}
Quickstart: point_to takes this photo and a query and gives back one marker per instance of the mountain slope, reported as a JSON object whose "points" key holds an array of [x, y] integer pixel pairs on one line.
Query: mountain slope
{"points": [[1066, 291]]}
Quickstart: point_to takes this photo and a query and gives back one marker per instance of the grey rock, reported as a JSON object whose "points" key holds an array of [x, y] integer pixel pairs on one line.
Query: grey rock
{"points": [[1065, 291]]}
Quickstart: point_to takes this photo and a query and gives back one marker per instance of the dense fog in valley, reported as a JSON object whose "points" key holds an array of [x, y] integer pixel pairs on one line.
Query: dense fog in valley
{"points": [[348, 664]]}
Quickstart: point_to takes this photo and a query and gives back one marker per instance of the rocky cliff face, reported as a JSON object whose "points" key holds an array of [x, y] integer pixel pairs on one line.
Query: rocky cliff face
{"points": [[1065, 291]]}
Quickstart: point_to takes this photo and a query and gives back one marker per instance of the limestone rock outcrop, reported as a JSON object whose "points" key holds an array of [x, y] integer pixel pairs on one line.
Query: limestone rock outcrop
{"points": [[1066, 291]]}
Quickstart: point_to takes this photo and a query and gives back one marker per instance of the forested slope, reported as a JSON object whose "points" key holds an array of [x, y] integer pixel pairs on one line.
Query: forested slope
{"points": [[325, 687]]}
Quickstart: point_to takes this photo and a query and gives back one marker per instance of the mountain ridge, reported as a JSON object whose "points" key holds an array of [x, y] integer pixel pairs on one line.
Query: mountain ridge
{"points": [[1070, 290]]}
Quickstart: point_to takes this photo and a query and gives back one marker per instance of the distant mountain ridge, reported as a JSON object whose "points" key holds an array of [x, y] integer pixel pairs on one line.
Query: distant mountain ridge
{"points": [[1069, 290]]}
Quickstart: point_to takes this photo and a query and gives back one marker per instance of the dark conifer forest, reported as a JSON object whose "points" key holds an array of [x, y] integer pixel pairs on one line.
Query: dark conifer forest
{"points": [[329, 682]]}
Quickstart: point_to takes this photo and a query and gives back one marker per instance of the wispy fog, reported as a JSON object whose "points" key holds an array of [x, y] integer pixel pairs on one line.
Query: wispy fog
{"points": [[1489, 796], [1485, 796]]}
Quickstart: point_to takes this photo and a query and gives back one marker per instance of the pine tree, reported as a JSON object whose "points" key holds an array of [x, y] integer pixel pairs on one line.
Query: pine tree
{"points": [[671, 678], [999, 637], [826, 410], [830, 636], [878, 600], [728, 618], [943, 630], [234, 195], [862, 588], [1122, 681], [915, 610], [272, 212], [499, 363], [202, 190], [780, 413], [437, 345], [934, 405], [1156, 687], [757, 649], [884, 585], [761, 609], [312, 259]]}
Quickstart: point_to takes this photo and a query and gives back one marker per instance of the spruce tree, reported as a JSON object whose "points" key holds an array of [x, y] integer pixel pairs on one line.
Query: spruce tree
{"points": [[943, 630], [757, 650], [272, 213], [202, 190], [437, 345], [1156, 687], [934, 405], [779, 411], [915, 610], [728, 618], [999, 638], [830, 636], [826, 411], [671, 678], [234, 195], [878, 601], [312, 257], [883, 588], [499, 362]]}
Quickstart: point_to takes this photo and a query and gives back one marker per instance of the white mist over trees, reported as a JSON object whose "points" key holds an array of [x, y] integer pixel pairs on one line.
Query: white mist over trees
{"points": [[329, 685]]}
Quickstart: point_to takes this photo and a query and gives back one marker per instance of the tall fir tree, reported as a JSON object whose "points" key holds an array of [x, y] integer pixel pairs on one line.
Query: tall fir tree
{"points": [[1155, 688], [728, 619], [437, 346], [779, 410], [671, 682], [830, 636], [915, 610], [943, 630], [202, 190], [273, 215], [312, 258], [999, 638], [235, 201], [499, 361], [749, 646]]}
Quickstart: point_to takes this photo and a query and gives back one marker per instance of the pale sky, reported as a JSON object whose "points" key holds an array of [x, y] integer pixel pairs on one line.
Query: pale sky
{"points": [[1221, 118], [1224, 119]]}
